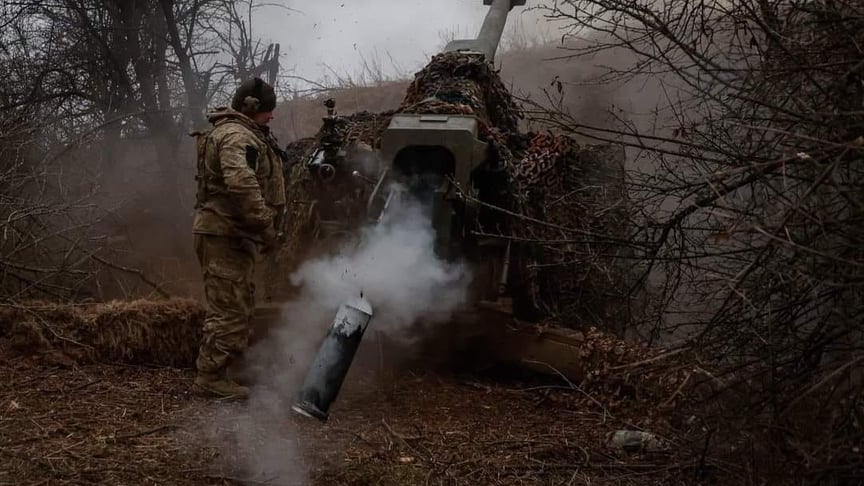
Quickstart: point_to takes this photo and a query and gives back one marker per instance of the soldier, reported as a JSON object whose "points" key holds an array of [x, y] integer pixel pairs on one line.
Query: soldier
{"points": [[239, 208]]}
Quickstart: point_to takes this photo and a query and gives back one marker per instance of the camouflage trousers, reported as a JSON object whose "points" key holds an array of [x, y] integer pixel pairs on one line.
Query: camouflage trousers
{"points": [[228, 265]]}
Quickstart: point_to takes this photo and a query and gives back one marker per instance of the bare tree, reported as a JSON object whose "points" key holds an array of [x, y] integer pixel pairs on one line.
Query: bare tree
{"points": [[232, 23], [114, 88], [749, 185]]}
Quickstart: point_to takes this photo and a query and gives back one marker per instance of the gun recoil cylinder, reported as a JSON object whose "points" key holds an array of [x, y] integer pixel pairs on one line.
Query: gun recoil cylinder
{"points": [[325, 376]]}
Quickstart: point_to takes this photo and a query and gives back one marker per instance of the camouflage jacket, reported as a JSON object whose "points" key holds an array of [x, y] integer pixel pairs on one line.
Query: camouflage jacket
{"points": [[241, 188]]}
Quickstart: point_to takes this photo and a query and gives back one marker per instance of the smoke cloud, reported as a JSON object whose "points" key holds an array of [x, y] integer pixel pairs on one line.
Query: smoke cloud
{"points": [[394, 266], [258, 443]]}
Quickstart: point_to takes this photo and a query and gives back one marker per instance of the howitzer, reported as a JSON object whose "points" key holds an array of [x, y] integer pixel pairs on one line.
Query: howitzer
{"points": [[443, 161]]}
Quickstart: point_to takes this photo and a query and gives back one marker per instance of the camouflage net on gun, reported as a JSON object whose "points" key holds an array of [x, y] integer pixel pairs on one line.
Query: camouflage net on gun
{"points": [[575, 261], [561, 192], [300, 225], [460, 84]]}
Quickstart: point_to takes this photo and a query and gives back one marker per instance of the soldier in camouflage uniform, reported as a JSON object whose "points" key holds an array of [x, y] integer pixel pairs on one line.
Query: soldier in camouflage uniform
{"points": [[240, 205]]}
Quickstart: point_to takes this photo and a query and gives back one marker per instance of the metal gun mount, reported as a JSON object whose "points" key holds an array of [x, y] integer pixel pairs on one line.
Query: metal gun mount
{"points": [[445, 149], [432, 153], [489, 38], [449, 139], [445, 144], [426, 155]]}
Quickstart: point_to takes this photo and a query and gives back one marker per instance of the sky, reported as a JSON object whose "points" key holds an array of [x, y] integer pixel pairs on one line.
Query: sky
{"points": [[320, 37]]}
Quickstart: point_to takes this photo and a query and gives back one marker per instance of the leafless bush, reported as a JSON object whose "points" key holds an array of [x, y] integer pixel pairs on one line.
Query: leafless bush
{"points": [[43, 237], [749, 187], [96, 103]]}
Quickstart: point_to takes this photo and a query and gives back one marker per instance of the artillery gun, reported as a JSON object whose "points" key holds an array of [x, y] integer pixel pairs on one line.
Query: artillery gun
{"points": [[454, 146], [447, 157]]}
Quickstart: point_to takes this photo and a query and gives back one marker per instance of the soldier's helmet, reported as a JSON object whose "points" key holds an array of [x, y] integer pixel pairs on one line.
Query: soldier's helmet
{"points": [[254, 96]]}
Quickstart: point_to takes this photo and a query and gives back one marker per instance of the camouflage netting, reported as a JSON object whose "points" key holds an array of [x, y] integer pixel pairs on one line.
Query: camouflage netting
{"points": [[575, 266], [300, 222], [164, 333], [605, 363], [576, 190], [454, 83]]}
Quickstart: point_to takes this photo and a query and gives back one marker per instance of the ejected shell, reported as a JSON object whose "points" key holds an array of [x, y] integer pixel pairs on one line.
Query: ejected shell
{"points": [[325, 376]]}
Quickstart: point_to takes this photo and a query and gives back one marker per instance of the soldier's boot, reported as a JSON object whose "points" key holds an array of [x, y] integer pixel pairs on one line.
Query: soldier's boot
{"points": [[241, 375], [241, 370], [217, 386]]}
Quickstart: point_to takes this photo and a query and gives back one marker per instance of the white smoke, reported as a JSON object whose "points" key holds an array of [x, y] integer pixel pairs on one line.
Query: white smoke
{"points": [[257, 443], [393, 265]]}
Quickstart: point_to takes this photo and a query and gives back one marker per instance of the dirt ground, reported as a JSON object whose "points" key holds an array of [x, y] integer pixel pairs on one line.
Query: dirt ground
{"points": [[103, 423]]}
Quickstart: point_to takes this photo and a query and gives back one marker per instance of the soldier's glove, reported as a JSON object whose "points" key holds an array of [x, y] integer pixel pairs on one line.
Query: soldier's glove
{"points": [[271, 242]]}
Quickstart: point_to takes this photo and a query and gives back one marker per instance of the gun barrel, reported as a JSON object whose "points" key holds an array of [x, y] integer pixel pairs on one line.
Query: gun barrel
{"points": [[489, 38], [493, 28]]}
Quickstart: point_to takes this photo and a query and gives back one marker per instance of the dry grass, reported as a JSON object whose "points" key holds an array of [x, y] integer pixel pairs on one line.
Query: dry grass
{"points": [[113, 424], [96, 424], [163, 333]]}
